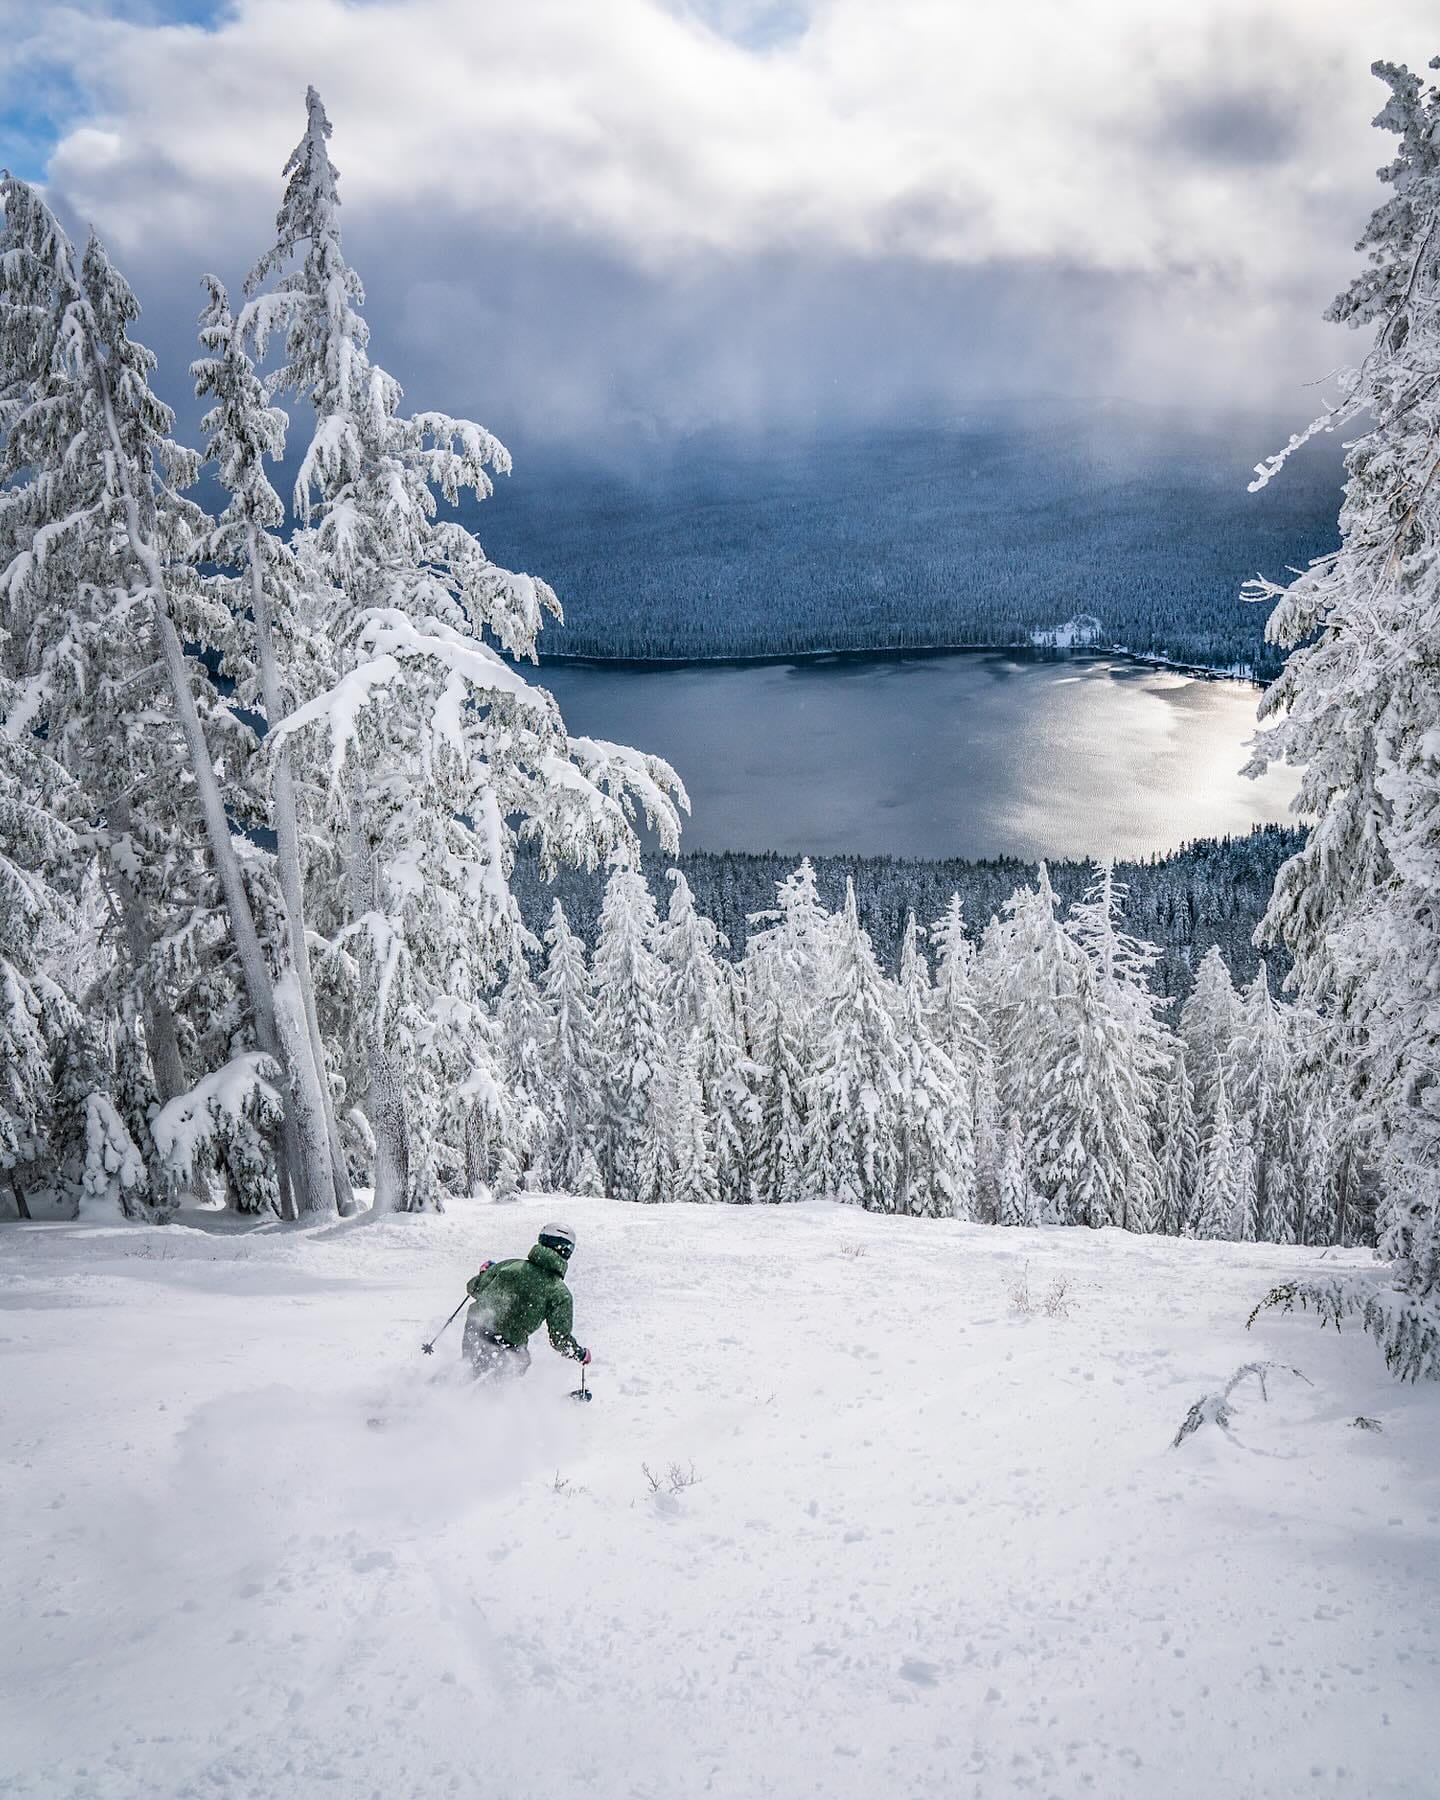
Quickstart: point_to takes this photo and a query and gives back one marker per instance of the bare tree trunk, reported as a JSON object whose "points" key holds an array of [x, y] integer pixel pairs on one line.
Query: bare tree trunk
{"points": [[385, 1099], [390, 1123], [474, 1152], [155, 1005], [292, 886], [9, 1185]]}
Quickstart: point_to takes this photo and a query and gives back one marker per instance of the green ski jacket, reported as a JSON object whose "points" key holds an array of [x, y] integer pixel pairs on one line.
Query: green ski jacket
{"points": [[513, 1299]]}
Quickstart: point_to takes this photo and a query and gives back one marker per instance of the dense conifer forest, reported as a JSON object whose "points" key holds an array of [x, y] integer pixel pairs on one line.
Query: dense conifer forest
{"points": [[1210, 893], [978, 532]]}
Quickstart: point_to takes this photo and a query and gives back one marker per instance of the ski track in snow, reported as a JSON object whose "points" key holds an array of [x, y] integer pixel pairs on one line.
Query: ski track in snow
{"points": [[934, 1548]]}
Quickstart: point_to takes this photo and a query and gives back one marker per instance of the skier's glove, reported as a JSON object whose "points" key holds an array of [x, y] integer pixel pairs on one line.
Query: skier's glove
{"points": [[585, 1356]]}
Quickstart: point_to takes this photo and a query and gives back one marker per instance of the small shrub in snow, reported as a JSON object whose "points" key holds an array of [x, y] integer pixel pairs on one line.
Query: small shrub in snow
{"points": [[853, 1251], [675, 1479], [1054, 1302]]}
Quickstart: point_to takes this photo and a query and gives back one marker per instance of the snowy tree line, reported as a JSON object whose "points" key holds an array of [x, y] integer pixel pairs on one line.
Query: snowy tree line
{"points": [[247, 943], [1029, 1075], [1209, 894]]}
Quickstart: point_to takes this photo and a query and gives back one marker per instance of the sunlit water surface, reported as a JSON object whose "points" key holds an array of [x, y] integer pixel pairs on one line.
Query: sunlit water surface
{"points": [[975, 753]]}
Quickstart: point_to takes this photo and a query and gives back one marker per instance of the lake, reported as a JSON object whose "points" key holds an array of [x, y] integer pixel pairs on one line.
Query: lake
{"points": [[970, 753]]}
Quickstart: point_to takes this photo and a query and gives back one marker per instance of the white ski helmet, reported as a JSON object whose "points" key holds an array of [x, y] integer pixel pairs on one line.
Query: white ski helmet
{"points": [[559, 1238]]}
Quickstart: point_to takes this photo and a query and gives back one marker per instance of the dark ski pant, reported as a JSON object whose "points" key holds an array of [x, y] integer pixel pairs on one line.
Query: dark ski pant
{"points": [[490, 1357]]}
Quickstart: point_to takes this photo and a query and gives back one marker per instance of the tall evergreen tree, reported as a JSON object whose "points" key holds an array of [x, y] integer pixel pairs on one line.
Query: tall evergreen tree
{"points": [[688, 1166], [784, 976], [1018, 1204], [699, 993], [97, 549], [988, 1140], [570, 1060], [852, 1124], [1029, 972], [632, 1024], [1221, 1173], [1358, 707], [1179, 1148], [525, 1025], [936, 1147], [1209, 1022], [276, 654], [436, 746], [37, 1016]]}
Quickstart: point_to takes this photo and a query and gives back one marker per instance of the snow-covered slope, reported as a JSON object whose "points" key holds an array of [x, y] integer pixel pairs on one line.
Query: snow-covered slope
{"points": [[934, 1547]]}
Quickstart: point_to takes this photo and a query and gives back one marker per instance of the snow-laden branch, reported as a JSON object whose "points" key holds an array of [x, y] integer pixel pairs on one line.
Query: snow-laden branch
{"points": [[1339, 414], [622, 771], [396, 643], [237, 1102]]}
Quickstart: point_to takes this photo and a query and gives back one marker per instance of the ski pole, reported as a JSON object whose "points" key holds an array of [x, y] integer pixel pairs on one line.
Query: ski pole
{"points": [[429, 1348]]}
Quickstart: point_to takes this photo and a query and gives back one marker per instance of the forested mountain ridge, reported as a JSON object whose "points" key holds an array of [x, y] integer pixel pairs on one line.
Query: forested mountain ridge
{"points": [[980, 532]]}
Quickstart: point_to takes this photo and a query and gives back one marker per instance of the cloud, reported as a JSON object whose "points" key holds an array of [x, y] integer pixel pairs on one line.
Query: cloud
{"points": [[712, 207]]}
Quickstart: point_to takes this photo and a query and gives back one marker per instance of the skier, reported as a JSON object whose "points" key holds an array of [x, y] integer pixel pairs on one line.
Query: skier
{"points": [[513, 1299]]}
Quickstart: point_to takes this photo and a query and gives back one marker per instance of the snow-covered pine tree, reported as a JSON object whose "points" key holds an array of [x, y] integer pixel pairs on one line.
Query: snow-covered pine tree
{"points": [[277, 653], [1124, 1050], [570, 1061], [1028, 974], [590, 1180], [778, 1153], [853, 1096], [1247, 1207], [783, 976], [96, 548], [1179, 1147], [1018, 1203], [524, 1027], [689, 1171], [989, 1142], [476, 1126], [36, 1015], [936, 1146], [438, 750], [958, 1027], [1089, 1121], [632, 1027], [1358, 707], [1209, 1021], [1220, 1198], [1267, 1097], [961, 1033], [699, 994], [1333, 1195]]}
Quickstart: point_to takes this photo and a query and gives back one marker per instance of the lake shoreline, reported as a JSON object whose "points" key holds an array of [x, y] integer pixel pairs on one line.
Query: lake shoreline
{"points": [[896, 653]]}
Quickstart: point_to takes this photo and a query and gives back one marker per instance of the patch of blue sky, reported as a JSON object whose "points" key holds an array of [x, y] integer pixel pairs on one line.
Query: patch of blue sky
{"points": [[35, 108], [40, 99], [207, 13], [757, 24]]}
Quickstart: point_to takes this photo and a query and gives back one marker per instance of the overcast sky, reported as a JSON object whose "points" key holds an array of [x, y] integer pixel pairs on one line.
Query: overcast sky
{"points": [[578, 215]]}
